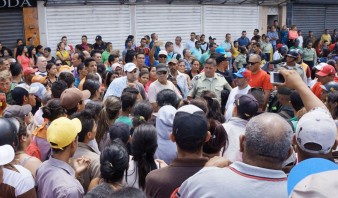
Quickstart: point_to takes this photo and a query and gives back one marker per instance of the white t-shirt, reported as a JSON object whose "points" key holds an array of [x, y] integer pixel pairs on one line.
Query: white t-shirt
{"points": [[276, 55], [230, 103], [156, 87]]}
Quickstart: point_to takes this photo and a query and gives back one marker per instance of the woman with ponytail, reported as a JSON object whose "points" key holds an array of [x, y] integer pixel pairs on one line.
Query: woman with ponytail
{"points": [[219, 137], [108, 114], [143, 147], [114, 161], [142, 113], [51, 111]]}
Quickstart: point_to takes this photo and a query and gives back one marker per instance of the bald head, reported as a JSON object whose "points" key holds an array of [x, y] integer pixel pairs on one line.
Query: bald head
{"points": [[41, 63], [267, 138], [255, 58]]}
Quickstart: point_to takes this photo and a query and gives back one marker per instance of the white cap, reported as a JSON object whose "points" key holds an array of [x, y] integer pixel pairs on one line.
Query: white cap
{"points": [[163, 52], [320, 66], [316, 127], [129, 67], [30, 89], [6, 154]]}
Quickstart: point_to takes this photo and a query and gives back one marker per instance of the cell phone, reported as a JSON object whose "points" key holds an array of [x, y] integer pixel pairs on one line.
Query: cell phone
{"points": [[276, 77]]}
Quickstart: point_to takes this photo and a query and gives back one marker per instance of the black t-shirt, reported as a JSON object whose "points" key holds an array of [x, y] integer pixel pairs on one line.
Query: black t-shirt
{"points": [[227, 75]]}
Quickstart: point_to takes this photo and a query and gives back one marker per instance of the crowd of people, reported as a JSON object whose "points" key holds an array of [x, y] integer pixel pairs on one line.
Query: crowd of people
{"points": [[202, 119]]}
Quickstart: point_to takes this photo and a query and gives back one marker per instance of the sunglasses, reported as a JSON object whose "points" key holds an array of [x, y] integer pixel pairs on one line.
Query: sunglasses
{"points": [[58, 64], [252, 63], [161, 72], [162, 56]]}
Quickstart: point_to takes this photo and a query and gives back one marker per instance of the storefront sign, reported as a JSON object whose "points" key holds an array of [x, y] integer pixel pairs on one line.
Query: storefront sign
{"points": [[17, 3]]}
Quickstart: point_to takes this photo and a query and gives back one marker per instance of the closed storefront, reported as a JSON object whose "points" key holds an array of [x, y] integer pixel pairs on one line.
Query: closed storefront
{"points": [[220, 20], [314, 16], [112, 22], [168, 21], [11, 26], [115, 20]]}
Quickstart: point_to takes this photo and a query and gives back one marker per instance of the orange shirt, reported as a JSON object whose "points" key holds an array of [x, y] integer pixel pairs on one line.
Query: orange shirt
{"points": [[316, 89], [261, 80]]}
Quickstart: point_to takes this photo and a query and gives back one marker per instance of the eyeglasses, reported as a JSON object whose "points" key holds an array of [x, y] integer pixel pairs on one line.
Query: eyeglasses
{"points": [[161, 72], [162, 56], [252, 63]]}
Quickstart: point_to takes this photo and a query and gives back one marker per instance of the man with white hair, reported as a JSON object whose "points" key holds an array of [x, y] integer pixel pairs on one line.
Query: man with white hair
{"points": [[41, 64]]}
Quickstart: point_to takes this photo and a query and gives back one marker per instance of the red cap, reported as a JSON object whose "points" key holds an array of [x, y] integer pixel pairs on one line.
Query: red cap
{"points": [[28, 71], [326, 70], [279, 45]]}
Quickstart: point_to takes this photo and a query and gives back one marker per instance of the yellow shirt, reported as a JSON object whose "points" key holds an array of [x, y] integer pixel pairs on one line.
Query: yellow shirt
{"points": [[326, 37], [63, 54], [235, 52]]}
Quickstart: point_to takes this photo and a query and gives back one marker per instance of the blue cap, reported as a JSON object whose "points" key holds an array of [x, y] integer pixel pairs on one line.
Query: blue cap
{"points": [[220, 50], [243, 73], [306, 168]]}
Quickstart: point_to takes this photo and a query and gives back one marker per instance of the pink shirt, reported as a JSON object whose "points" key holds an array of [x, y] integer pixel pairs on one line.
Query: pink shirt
{"points": [[24, 61]]}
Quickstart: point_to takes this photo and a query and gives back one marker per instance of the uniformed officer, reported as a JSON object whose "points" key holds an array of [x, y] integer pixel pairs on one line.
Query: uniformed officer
{"points": [[291, 64], [208, 80]]}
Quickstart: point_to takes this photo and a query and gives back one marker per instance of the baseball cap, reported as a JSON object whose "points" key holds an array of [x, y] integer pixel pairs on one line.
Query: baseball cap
{"points": [[330, 86], [163, 52], [190, 124], [129, 67], [98, 38], [326, 70], [173, 60], [29, 70], [211, 38], [39, 79], [320, 66], [41, 89], [316, 132], [279, 45], [293, 54], [243, 73], [246, 104], [65, 68], [29, 89], [220, 50], [17, 110], [6, 154], [161, 67], [298, 179], [72, 96], [62, 131], [113, 67]]}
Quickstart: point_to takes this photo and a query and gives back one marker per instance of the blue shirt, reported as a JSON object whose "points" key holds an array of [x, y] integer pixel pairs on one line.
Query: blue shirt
{"points": [[117, 86], [243, 41], [227, 46], [273, 35], [197, 53], [157, 49]]}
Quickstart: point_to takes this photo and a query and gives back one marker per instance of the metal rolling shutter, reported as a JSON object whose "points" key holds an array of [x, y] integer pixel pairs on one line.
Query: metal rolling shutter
{"points": [[11, 27], [331, 18], [168, 21], [309, 18], [220, 20], [112, 22]]}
